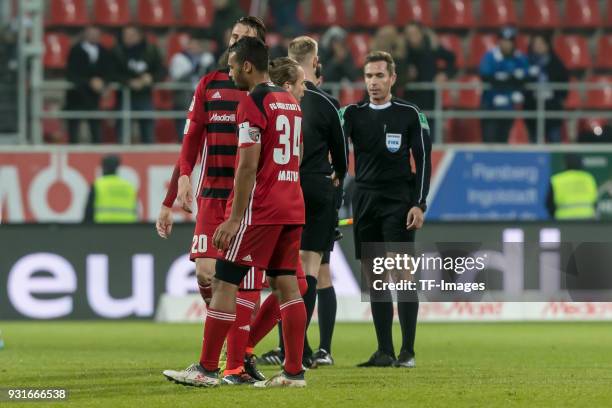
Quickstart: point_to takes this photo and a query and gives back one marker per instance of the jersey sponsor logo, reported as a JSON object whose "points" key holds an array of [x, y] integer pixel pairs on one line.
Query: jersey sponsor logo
{"points": [[246, 327], [221, 118], [393, 141], [423, 121], [288, 175], [247, 258], [216, 95]]}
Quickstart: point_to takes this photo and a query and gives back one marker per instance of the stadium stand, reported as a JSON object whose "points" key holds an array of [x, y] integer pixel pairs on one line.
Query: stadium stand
{"points": [[197, 13], [455, 14], [325, 13], [413, 10], [67, 13], [57, 46], [370, 13], [496, 13], [155, 13], [573, 50], [111, 13], [583, 14], [540, 14]]}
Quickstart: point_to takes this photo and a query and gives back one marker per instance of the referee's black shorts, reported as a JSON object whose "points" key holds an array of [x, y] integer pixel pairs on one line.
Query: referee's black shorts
{"points": [[320, 205], [380, 216]]}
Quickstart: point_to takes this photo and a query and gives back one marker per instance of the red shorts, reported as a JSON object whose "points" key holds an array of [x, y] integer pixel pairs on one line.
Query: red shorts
{"points": [[265, 246], [210, 215]]}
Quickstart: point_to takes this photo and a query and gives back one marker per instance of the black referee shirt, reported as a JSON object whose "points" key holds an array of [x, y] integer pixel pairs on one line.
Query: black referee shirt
{"points": [[323, 134], [383, 138]]}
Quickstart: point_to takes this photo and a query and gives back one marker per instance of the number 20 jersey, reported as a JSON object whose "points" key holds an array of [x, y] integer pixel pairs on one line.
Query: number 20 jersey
{"points": [[272, 117]]}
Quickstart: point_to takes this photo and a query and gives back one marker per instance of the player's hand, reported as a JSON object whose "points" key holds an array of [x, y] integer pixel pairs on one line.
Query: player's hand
{"points": [[335, 179], [164, 222], [184, 194], [415, 218], [225, 233]]}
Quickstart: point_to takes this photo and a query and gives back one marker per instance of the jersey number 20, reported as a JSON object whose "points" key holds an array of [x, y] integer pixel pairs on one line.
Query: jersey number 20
{"points": [[282, 155]]}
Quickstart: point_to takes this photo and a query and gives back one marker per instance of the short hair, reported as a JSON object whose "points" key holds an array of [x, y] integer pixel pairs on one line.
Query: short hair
{"points": [[376, 56], [301, 47], [110, 164], [253, 50], [256, 24], [283, 69]]}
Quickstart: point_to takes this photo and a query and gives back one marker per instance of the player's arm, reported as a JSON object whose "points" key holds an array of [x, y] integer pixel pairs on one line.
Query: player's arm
{"points": [[337, 144], [243, 186], [421, 152], [194, 137]]}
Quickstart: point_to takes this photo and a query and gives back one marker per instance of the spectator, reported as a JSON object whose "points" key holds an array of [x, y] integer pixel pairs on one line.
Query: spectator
{"points": [[188, 66], [285, 14], [545, 67], [505, 69], [426, 61], [226, 14], [139, 66], [388, 39], [88, 69], [338, 64]]}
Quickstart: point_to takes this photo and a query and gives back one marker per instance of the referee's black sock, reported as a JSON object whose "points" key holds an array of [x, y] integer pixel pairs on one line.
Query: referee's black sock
{"points": [[382, 314], [327, 316], [310, 299], [408, 313]]}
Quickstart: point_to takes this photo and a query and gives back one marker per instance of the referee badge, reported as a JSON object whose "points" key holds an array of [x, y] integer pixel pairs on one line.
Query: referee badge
{"points": [[393, 141]]}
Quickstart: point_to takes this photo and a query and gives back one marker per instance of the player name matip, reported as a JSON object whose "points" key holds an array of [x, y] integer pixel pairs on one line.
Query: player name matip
{"points": [[288, 175]]}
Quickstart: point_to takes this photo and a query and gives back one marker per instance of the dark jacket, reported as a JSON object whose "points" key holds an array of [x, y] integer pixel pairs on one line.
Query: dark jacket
{"points": [[543, 70], [132, 62], [80, 70]]}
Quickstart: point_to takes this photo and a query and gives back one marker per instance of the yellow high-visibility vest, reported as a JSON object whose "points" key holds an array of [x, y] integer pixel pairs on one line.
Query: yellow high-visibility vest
{"points": [[575, 195], [115, 200]]}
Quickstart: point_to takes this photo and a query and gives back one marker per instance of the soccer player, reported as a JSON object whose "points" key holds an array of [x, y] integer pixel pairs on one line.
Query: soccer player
{"points": [[389, 200], [323, 138], [264, 216], [210, 131]]}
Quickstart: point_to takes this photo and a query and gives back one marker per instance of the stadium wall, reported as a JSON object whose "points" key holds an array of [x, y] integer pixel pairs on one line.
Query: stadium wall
{"points": [[469, 183], [64, 271]]}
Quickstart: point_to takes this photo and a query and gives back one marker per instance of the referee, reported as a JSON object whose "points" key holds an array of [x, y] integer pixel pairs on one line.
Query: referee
{"points": [[389, 200], [323, 138]]}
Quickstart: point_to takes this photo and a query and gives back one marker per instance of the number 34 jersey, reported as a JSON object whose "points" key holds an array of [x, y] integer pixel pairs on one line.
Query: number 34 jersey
{"points": [[271, 116]]}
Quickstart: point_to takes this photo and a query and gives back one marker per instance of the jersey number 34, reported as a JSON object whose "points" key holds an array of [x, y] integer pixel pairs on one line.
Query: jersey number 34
{"points": [[289, 141]]}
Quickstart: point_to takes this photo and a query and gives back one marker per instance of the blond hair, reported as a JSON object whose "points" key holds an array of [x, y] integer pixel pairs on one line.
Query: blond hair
{"points": [[283, 70], [301, 47]]}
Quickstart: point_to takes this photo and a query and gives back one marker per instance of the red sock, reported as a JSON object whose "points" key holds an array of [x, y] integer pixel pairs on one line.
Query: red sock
{"points": [[215, 330], [293, 315], [238, 335], [267, 317], [205, 292]]}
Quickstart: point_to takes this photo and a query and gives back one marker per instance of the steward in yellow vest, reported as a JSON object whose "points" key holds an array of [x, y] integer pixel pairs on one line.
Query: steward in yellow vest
{"points": [[573, 192], [111, 199]]}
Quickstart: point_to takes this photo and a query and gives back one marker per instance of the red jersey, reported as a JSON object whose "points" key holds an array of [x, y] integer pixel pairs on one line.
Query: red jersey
{"points": [[272, 117], [210, 131]]}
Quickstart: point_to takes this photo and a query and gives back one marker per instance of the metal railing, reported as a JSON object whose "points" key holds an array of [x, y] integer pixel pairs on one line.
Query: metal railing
{"points": [[439, 114]]}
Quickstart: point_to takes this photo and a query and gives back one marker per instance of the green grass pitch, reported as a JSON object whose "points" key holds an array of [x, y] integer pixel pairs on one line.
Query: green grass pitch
{"points": [[119, 364]]}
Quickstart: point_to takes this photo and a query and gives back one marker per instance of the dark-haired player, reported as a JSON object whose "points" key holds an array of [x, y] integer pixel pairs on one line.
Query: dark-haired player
{"points": [[210, 132]]}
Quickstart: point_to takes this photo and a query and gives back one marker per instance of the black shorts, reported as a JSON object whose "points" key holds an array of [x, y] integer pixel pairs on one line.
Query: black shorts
{"points": [[325, 259], [320, 204], [380, 216]]}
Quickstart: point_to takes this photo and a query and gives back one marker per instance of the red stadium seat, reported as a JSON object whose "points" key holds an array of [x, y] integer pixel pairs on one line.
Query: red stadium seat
{"points": [[582, 14], [175, 43], [540, 14], [469, 98], [111, 13], [197, 13], [57, 47], [155, 13], [452, 43], [604, 52], [350, 94], [455, 14], [165, 131], [479, 45], [573, 50], [407, 11], [522, 43], [359, 45], [600, 97], [464, 131], [324, 13], [518, 133], [573, 100], [67, 13], [370, 13], [495, 13]]}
